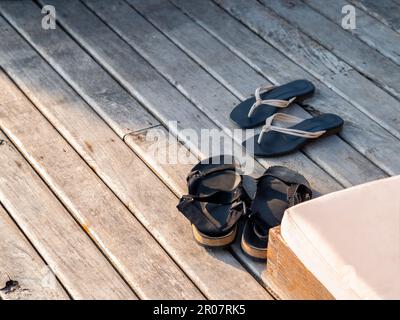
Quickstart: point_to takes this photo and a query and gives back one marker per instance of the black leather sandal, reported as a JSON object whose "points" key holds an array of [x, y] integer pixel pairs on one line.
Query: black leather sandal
{"points": [[216, 201], [277, 189]]}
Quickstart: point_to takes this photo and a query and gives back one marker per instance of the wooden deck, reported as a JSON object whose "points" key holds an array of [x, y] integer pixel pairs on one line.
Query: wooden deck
{"points": [[82, 196]]}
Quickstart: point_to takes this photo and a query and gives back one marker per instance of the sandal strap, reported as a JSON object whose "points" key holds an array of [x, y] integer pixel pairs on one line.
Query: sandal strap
{"points": [[287, 118], [196, 212], [286, 175], [299, 190], [297, 193], [219, 197], [272, 102], [194, 207], [205, 172]]}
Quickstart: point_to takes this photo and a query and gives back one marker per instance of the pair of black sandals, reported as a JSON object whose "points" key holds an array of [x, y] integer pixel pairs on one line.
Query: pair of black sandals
{"points": [[220, 199], [274, 140]]}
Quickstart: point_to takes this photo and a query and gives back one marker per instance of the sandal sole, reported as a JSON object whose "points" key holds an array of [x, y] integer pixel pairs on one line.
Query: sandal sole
{"points": [[214, 242], [255, 253]]}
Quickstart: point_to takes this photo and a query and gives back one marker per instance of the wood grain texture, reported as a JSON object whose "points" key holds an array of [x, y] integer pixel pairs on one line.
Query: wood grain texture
{"points": [[117, 107], [20, 262], [204, 48], [178, 171], [160, 150], [360, 131], [126, 175], [219, 112], [65, 247], [287, 276], [136, 255], [140, 78], [167, 104], [368, 29], [387, 11], [320, 62], [340, 42]]}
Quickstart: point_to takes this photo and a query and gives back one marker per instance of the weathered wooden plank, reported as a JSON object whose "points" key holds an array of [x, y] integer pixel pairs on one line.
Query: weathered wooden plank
{"points": [[360, 131], [370, 30], [204, 48], [172, 107], [165, 56], [92, 139], [137, 256], [320, 62], [387, 11], [123, 113], [20, 262], [343, 44], [167, 172], [68, 251], [178, 170], [157, 148]]}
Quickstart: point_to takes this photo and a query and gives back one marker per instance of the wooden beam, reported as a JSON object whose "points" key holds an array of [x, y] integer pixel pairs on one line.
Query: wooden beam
{"points": [[287, 276]]}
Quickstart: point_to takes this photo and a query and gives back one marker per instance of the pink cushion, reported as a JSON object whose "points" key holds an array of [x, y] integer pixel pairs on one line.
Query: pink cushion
{"points": [[350, 240]]}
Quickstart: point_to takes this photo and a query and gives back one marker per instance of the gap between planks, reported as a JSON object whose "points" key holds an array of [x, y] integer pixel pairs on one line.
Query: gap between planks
{"points": [[321, 63], [368, 29], [56, 235], [339, 42], [248, 287], [162, 17], [85, 64], [359, 131], [19, 261]]}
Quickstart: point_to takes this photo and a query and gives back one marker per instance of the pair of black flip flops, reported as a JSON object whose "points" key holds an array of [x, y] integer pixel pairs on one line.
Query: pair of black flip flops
{"points": [[279, 140], [219, 197]]}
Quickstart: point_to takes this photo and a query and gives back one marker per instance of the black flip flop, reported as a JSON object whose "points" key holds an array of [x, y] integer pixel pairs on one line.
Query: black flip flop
{"points": [[275, 141], [216, 201], [277, 189], [266, 101]]}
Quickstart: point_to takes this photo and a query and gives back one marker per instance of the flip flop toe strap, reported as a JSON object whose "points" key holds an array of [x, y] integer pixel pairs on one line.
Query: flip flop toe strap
{"points": [[272, 102], [287, 118]]}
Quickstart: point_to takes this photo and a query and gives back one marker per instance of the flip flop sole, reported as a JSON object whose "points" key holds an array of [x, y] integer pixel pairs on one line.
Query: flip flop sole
{"points": [[302, 89], [214, 242], [277, 144]]}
